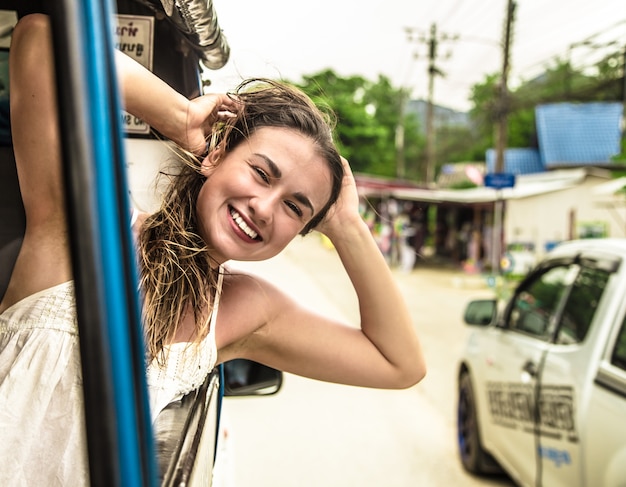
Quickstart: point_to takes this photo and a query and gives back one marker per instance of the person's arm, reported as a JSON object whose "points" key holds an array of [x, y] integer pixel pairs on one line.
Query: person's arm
{"points": [[384, 352], [385, 318], [43, 260], [186, 122]]}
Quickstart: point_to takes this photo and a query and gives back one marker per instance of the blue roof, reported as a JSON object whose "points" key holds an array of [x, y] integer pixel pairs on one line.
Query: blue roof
{"points": [[516, 161], [578, 133]]}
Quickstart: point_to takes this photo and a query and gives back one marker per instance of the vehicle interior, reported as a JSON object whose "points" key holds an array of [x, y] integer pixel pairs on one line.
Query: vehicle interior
{"points": [[182, 40]]}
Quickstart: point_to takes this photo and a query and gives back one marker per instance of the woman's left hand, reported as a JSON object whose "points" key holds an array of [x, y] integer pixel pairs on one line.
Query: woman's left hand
{"points": [[186, 122], [345, 211]]}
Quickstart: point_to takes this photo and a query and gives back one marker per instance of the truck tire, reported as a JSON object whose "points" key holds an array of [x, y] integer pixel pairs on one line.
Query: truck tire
{"points": [[474, 457]]}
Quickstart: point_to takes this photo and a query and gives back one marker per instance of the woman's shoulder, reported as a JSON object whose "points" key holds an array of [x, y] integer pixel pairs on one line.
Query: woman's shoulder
{"points": [[248, 302], [240, 285]]}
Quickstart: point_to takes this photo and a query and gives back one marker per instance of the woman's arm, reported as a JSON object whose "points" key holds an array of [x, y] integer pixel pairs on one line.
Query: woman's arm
{"points": [[186, 122], [384, 352], [385, 319]]}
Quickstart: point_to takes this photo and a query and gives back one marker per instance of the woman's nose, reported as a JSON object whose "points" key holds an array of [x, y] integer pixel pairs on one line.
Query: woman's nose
{"points": [[262, 208]]}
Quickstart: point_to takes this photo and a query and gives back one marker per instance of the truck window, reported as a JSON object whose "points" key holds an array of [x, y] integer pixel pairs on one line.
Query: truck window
{"points": [[581, 305], [536, 304]]}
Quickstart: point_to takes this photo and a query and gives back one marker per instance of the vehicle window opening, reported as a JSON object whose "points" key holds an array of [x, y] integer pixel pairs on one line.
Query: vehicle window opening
{"points": [[581, 305], [536, 304]]}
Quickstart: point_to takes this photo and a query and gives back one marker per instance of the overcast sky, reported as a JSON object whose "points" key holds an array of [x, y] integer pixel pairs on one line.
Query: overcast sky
{"points": [[288, 39]]}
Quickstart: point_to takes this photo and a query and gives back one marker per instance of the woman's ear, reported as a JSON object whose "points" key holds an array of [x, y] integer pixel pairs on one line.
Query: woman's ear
{"points": [[211, 161]]}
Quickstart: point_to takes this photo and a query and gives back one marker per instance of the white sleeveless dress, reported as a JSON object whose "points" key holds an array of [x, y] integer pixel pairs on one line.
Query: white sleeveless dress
{"points": [[42, 432], [186, 365]]}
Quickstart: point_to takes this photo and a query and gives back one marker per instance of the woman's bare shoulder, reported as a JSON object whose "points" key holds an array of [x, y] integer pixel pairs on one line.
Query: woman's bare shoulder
{"points": [[253, 289], [247, 304]]}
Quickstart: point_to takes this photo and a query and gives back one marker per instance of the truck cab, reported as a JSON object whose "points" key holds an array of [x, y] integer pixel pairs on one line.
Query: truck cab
{"points": [[542, 380]]}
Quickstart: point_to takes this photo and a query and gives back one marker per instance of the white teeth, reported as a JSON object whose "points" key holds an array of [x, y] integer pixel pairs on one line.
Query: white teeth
{"points": [[243, 225]]}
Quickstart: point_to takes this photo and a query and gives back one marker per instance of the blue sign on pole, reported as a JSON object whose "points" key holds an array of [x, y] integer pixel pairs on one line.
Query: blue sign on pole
{"points": [[499, 180]]}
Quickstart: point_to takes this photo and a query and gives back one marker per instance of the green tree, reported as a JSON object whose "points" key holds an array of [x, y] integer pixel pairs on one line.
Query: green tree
{"points": [[457, 144], [483, 112], [367, 115], [559, 83]]}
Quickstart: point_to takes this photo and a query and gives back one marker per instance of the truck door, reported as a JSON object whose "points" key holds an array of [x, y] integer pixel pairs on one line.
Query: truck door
{"points": [[520, 341], [567, 374], [604, 430]]}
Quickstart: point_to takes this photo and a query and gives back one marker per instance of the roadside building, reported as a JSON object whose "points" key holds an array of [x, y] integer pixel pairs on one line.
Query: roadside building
{"points": [[564, 189]]}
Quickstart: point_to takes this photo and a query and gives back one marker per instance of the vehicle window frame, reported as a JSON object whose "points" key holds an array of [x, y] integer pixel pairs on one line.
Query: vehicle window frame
{"points": [[586, 272], [610, 375], [548, 334], [620, 340], [119, 432], [583, 263]]}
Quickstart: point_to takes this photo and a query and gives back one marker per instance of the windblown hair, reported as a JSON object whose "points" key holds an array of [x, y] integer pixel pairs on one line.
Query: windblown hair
{"points": [[175, 263]]}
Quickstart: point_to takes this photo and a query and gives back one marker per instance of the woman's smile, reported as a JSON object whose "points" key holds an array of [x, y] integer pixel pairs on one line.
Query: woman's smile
{"points": [[245, 227]]}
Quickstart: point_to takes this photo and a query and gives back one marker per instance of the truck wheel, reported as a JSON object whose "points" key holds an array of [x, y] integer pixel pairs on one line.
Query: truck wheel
{"points": [[473, 457]]}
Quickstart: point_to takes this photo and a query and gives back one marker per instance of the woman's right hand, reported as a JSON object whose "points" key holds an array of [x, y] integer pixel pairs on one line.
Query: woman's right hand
{"points": [[202, 114]]}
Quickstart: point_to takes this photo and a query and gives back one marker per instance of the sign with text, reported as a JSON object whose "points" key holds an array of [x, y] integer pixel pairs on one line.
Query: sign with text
{"points": [[134, 36], [499, 180]]}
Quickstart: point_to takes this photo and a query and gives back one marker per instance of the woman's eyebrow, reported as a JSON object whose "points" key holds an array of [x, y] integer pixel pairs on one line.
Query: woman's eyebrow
{"points": [[277, 174], [305, 201], [274, 169]]}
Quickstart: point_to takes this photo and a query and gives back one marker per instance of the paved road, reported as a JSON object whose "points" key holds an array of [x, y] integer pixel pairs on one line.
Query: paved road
{"points": [[314, 434]]}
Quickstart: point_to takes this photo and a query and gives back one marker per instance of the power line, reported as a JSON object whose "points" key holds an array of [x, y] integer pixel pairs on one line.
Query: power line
{"points": [[555, 57]]}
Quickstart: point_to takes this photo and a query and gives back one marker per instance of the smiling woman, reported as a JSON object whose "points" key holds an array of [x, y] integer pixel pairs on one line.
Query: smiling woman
{"points": [[272, 172], [274, 190]]}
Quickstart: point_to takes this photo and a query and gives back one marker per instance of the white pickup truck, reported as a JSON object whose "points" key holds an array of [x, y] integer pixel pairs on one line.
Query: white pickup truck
{"points": [[542, 380]]}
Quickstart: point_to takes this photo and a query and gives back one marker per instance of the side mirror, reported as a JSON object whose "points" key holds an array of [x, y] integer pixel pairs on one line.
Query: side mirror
{"points": [[481, 312], [247, 378]]}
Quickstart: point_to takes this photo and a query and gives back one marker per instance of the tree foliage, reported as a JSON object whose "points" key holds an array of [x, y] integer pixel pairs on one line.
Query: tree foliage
{"points": [[560, 82], [367, 116], [370, 112]]}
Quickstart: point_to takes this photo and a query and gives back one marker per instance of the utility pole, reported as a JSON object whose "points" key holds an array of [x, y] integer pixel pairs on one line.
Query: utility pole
{"points": [[503, 94], [430, 132], [432, 42], [501, 138]]}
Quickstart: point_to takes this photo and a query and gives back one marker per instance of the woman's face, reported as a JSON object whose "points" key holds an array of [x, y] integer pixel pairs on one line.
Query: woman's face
{"points": [[261, 194]]}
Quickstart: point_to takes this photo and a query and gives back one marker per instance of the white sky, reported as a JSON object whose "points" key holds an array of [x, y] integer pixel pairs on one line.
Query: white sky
{"points": [[288, 39]]}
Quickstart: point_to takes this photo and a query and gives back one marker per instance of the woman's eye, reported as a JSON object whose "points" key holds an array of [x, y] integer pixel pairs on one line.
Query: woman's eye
{"points": [[263, 175], [293, 207]]}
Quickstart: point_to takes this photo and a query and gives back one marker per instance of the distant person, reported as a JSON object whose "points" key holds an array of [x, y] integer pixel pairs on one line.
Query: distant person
{"points": [[406, 237]]}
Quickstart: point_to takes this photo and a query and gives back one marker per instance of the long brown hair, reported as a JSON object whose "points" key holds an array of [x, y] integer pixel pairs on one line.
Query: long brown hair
{"points": [[175, 263]]}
